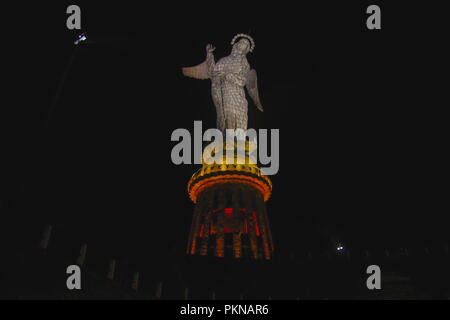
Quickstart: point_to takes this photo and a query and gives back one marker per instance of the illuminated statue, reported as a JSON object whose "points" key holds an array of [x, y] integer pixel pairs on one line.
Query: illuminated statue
{"points": [[228, 77], [230, 218]]}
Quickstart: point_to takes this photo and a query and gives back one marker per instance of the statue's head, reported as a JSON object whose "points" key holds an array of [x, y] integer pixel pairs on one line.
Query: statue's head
{"points": [[244, 45]]}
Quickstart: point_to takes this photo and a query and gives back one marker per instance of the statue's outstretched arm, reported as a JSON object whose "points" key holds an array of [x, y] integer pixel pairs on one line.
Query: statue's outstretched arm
{"points": [[210, 59], [204, 69]]}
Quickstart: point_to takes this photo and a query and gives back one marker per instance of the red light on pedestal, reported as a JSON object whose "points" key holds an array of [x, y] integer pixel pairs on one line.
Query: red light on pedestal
{"points": [[256, 224]]}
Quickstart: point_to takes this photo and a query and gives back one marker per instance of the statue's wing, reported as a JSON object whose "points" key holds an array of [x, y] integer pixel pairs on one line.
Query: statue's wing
{"points": [[198, 72], [252, 88]]}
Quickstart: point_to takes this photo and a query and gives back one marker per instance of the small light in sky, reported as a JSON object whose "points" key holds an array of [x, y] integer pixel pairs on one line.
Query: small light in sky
{"points": [[81, 37]]}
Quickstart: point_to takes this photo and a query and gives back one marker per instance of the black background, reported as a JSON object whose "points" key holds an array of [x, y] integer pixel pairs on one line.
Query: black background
{"points": [[358, 113]]}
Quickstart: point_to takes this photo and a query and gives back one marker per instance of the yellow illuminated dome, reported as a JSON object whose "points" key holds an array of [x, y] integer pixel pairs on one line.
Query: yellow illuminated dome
{"points": [[229, 171]]}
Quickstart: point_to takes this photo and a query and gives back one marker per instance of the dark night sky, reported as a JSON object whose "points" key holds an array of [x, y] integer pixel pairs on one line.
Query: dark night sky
{"points": [[357, 157]]}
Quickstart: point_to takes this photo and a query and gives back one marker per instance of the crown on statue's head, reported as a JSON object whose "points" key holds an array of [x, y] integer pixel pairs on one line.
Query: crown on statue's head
{"points": [[243, 35]]}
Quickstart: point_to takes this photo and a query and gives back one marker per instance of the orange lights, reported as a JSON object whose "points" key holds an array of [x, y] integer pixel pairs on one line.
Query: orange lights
{"points": [[205, 178], [205, 183], [211, 174]]}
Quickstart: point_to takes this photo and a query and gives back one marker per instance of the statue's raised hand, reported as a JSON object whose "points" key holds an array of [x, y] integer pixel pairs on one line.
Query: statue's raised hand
{"points": [[210, 48], [204, 69]]}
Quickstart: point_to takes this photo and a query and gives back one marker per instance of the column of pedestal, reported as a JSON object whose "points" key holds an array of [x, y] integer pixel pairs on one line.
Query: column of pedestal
{"points": [[251, 223], [236, 221], [195, 225], [208, 205], [263, 224], [266, 220], [220, 232]]}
